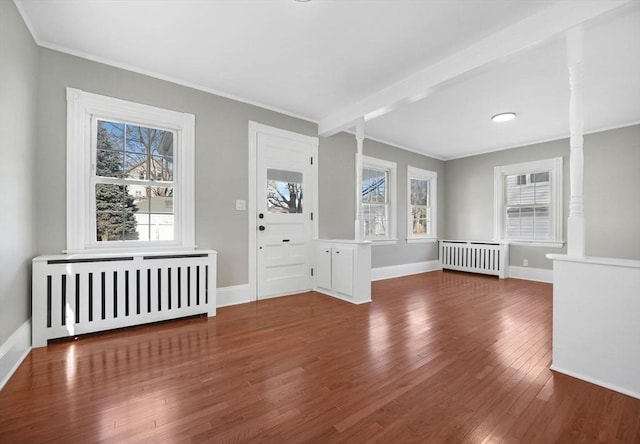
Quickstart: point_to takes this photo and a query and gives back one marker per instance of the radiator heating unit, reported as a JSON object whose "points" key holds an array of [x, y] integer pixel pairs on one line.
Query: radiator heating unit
{"points": [[475, 257], [77, 294]]}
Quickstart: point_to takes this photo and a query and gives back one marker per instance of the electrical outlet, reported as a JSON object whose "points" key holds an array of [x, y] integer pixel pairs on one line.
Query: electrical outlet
{"points": [[241, 205], [525, 262]]}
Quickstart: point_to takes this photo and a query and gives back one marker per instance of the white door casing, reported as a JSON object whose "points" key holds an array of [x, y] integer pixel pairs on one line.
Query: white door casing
{"points": [[281, 241]]}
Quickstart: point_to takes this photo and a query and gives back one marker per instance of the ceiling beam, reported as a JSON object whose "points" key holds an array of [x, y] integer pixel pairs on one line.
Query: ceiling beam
{"points": [[528, 32]]}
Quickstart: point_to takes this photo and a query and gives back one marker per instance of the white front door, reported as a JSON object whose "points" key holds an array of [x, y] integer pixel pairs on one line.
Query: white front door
{"points": [[285, 198]]}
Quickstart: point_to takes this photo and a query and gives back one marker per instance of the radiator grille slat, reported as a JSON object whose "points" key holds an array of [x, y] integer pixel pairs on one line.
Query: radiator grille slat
{"points": [[73, 296], [477, 257]]}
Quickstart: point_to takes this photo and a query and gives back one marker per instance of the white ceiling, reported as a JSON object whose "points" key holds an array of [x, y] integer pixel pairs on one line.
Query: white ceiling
{"points": [[323, 60]]}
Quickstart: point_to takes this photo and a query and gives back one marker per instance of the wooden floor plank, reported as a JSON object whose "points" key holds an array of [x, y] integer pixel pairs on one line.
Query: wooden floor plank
{"points": [[436, 357]]}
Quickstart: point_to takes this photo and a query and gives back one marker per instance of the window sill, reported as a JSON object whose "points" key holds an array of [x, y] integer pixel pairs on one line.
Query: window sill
{"points": [[421, 240], [376, 242], [130, 250], [548, 244]]}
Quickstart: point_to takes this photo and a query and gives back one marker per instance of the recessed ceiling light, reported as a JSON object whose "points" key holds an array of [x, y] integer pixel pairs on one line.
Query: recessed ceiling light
{"points": [[503, 117]]}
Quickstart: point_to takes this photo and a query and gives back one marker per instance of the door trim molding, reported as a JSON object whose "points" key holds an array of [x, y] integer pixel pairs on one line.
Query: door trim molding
{"points": [[254, 129]]}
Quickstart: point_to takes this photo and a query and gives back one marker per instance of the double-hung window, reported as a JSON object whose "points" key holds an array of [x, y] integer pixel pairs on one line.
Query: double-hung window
{"points": [[130, 175], [421, 204], [528, 202], [378, 199]]}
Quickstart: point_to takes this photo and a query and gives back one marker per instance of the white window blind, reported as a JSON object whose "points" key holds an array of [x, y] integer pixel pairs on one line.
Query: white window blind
{"points": [[528, 202], [528, 197]]}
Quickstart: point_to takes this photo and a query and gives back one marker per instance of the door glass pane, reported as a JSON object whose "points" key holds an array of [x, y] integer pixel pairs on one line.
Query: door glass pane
{"points": [[284, 191]]}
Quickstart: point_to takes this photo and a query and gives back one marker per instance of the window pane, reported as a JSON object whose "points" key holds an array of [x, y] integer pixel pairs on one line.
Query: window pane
{"points": [[284, 191], [161, 168], [161, 227], [528, 223], [540, 177], [133, 151], [512, 188], [136, 166], [374, 218], [109, 155], [419, 192], [142, 228], [154, 212], [542, 223], [109, 163], [543, 190], [513, 223], [110, 135], [115, 213], [374, 186], [149, 153], [528, 189], [419, 220]]}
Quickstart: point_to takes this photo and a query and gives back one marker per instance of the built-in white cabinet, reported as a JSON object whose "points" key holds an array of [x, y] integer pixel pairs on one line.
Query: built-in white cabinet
{"points": [[344, 270]]}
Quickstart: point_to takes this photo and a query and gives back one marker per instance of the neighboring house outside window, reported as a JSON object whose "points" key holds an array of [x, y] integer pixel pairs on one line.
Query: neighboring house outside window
{"points": [[528, 202], [378, 199], [421, 204], [134, 182]]}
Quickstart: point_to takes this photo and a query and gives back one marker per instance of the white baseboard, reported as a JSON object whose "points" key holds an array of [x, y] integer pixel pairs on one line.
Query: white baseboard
{"points": [[531, 274], [234, 295], [13, 352], [615, 388], [393, 271]]}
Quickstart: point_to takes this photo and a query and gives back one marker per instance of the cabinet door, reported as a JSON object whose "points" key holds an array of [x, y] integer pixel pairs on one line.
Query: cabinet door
{"points": [[342, 270], [323, 272]]}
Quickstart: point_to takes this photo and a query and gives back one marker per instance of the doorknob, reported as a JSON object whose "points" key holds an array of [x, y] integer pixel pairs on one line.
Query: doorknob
{"points": [[261, 228]]}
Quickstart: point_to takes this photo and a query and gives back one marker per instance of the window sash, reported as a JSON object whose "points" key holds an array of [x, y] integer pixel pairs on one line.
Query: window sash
{"points": [[415, 222], [528, 222], [375, 218]]}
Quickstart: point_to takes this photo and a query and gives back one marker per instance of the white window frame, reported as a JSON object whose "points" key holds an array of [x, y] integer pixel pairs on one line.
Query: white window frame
{"points": [[82, 108], [554, 166], [392, 170], [432, 178]]}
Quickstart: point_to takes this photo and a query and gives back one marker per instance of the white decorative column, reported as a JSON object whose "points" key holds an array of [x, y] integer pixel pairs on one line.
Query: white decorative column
{"points": [[575, 224], [360, 141]]}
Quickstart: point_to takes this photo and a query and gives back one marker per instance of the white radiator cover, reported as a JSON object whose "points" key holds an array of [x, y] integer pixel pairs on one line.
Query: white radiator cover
{"points": [[77, 294], [475, 256]]}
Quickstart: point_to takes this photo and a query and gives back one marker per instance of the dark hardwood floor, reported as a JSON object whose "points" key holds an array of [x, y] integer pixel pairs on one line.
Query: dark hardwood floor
{"points": [[437, 357]]}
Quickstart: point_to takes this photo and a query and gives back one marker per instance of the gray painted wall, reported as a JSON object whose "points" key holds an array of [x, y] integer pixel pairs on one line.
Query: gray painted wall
{"points": [[337, 196], [221, 152], [221, 163], [611, 194], [18, 93]]}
